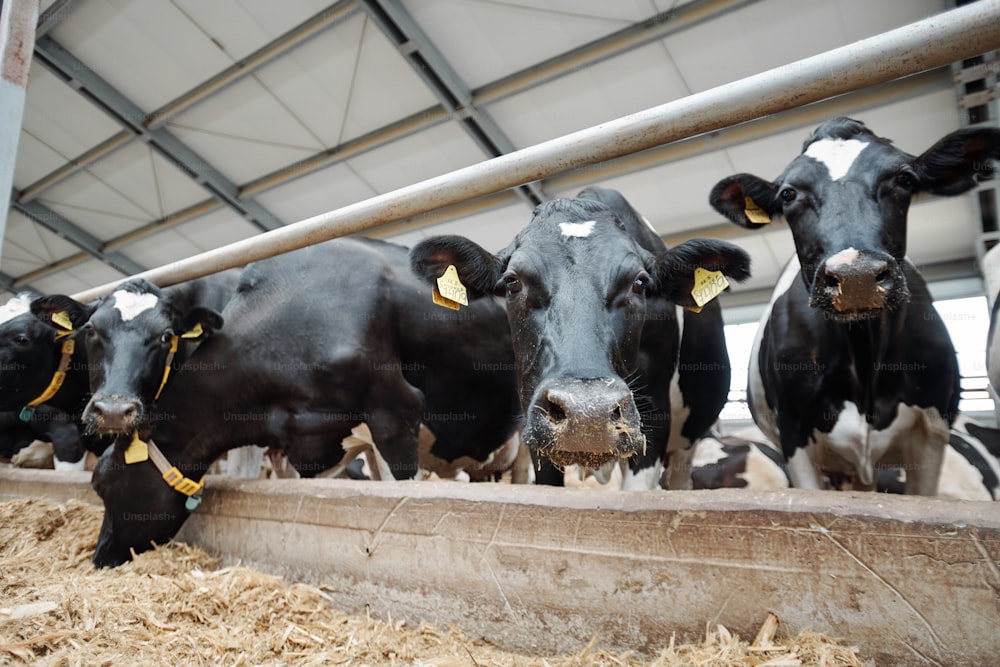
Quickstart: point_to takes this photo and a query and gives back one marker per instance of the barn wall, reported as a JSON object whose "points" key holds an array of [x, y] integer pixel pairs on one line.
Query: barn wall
{"points": [[908, 580]]}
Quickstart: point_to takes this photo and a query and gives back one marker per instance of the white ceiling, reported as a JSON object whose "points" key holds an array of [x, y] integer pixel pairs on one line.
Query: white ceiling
{"points": [[348, 82]]}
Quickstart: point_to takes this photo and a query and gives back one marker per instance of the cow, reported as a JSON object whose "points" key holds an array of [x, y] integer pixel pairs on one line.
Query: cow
{"points": [[135, 337], [991, 276], [970, 469], [315, 342], [603, 358], [43, 385], [852, 364], [737, 462]]}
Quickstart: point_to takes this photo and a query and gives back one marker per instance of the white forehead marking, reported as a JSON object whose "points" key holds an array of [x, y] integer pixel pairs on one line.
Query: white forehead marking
{"points": [[130, 304], [18, 305], [837, 154], [845, 257], [579, 229]]}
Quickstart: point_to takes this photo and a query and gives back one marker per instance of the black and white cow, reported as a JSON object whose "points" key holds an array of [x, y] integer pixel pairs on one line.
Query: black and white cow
{"points": [[852, 364], [135, 337], [970, 469], [602, 356], [43, 385], [315, 342], [738, 462]]}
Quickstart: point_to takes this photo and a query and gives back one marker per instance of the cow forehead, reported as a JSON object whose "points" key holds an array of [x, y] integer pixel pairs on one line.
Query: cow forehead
{"points": [[837, 155], [130, 305]]}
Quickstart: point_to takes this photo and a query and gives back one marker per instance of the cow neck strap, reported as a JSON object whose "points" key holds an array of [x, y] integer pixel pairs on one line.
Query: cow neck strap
{"points": [[68, 347], [174, 478], [166, 367]]}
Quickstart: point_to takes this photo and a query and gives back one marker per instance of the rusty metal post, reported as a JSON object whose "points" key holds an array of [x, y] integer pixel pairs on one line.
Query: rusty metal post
{"points": [[18, 19]]}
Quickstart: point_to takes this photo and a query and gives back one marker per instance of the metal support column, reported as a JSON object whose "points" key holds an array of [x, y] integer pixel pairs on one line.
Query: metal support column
{"points": [[17, 40]]}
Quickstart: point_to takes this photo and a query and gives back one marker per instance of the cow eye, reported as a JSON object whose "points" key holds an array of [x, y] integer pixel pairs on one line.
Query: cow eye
{"points": [[787, 195], [641, 283], [906, 180], [20, 339], [88, 330], [166, 336], [511, 284]]}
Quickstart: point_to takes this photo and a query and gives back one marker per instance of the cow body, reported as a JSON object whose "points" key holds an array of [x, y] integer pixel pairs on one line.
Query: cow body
{"points": [[852, 364], [602, 355], [316, 342]]}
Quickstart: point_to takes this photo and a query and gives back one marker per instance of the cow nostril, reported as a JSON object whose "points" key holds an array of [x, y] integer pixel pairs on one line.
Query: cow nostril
{"points": [[555, 412], [882, 277], [616, 414]]}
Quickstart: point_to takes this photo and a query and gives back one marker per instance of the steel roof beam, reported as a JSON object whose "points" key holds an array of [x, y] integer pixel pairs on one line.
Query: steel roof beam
{"points": [[78, 236], [85, 81], [429, 63]]}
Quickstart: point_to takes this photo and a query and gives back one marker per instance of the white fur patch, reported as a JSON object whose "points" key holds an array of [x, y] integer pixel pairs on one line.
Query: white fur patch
{"points": [[836, 154], [16, 306], [130, 305], [843, 258], [578, 229]]}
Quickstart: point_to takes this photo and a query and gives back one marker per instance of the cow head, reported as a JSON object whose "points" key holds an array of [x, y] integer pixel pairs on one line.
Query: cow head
{"points": [[133, 337], [846, 199], [29, 353], [140, 509], [577, 285]]}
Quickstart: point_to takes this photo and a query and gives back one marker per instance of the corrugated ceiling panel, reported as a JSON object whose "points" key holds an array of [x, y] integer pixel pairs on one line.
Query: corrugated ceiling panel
{"points": [[319, 192], [485, 41], [315, 81], [244, 132], [95, 206], [78, 278], [28, 246], [430, 153], [207, 232], [632, 82], [149, 50], [240, 27], [58, 117]]}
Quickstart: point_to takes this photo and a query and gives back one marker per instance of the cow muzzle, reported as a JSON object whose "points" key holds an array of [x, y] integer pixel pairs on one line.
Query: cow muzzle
{"points": [[112, 414], [586, 422], [853, 285]]}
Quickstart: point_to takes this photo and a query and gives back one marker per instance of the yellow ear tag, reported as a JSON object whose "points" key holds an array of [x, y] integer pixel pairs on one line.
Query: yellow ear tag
{"points": [[62, 319], [755, 213], [194, 332], [449, 291], [707, 286], [138, 451]]}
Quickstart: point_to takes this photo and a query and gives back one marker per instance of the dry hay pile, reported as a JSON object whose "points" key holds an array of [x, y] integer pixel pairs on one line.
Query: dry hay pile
{"points": [[172, 606]]}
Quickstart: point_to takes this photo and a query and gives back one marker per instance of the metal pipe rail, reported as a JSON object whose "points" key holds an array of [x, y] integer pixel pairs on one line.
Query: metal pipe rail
{"points": [[933, 42]]}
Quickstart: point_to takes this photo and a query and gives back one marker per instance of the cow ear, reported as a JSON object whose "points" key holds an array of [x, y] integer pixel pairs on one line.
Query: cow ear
{"points": [[674, 269], [951, 165], [61, 310], [478, 269], [745, 199], [199, 323]]}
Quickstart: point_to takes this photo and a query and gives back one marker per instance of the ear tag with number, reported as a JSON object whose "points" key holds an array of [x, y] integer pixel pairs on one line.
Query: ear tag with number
{"points": [[755, 213], [138, 451], [449, 290], [194, 332], [707, 286], [62, 319]]}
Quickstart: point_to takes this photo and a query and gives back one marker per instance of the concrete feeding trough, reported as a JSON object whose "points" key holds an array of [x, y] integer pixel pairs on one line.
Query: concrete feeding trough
{"points": [[908, 580]]}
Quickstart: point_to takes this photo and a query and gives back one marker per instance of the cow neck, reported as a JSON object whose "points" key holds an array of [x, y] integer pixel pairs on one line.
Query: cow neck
{"points": [[66, 349]]}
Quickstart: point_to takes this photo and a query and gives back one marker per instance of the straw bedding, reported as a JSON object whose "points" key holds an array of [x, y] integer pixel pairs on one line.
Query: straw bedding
{"points": [[175, 606]]}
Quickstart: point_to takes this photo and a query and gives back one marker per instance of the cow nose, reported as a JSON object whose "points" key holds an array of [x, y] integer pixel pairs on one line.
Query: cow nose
{"points": [[114, 415], [584, 421], [853, 282]]}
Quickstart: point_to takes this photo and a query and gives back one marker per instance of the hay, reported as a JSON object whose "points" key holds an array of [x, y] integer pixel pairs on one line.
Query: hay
{"points": [[174, 606]]}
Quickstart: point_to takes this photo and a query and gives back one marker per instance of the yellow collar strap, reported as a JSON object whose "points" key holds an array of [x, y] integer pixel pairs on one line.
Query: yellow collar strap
{"points": [[140, 450], [166, 367], [68, 346]]}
